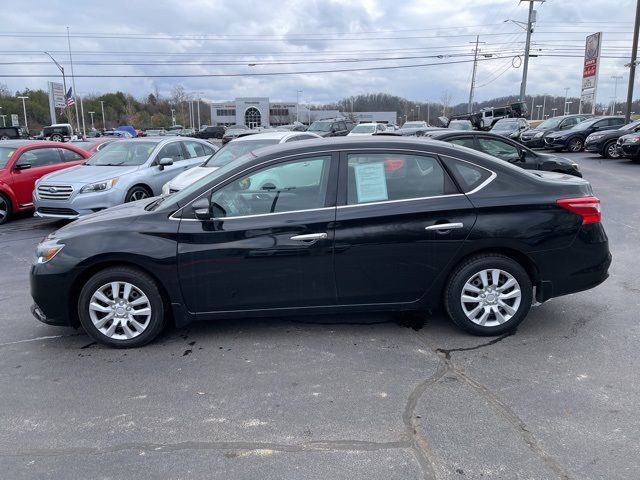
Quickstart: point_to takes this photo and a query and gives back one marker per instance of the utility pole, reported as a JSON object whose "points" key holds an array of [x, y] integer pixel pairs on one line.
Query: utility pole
{"points": [[554, 111], [566, 92], [298, 92], [544, 104], [104, 125], [73, 79], [525, 67], [615, 92], [538, 107], [84, 130], [428, 112], [632, 65], [24, 107], [473, 75]]}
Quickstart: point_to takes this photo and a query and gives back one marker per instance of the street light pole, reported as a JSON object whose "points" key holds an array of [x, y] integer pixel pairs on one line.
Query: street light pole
{"points": [[473, 75], [538, 107], [298, 92], [566, 93], [64, 82], [104, 125], [554, 111], [173, 117], [24, 109], [92, 127], [73, 78], [632, 65], [615, 92]]}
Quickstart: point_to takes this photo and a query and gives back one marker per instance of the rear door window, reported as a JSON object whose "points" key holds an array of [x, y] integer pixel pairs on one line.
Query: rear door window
{"points": [[380, 177]]}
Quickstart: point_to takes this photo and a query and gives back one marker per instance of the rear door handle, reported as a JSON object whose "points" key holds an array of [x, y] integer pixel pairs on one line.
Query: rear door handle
{"points": [[309, 237], [445, 226]]}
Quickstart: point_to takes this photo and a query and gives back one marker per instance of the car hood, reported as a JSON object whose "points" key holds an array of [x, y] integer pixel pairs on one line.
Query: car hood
{"points": [[86, 174], [555, 158], [188, 177], [351, 134], [110, 218]]}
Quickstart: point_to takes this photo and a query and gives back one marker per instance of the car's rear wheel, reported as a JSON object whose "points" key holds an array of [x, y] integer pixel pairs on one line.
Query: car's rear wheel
{"points": [[488, 294], [610, 150], [56, 137], [4, 137], [137, 193], [5, 209], [575, 145], [121, 307]]}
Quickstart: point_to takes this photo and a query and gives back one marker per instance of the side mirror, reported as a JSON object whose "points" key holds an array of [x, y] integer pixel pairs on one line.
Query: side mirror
{"points": [[202, 209], [22, 166], [165, 162], [522, 155]]}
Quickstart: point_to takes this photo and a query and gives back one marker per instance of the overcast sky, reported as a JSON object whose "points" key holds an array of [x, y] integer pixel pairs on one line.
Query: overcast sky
{"points": [[373, 32]]}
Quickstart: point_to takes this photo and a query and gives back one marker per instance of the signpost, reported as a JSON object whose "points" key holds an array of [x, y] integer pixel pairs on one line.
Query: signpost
{"points": [[590, 71], [15, 121], [56, 99]]}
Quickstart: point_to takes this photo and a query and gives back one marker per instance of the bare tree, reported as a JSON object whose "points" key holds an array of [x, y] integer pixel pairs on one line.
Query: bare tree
{"points": [[445, 100], [178, 97]]}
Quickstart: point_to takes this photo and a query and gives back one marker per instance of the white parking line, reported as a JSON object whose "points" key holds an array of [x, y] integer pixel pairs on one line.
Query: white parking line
{"points": [[31, 340]]}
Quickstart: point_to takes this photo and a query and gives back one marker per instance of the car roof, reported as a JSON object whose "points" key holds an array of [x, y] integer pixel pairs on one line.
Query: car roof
{"points": [[368, 123], [275, 135], [21, 143]]}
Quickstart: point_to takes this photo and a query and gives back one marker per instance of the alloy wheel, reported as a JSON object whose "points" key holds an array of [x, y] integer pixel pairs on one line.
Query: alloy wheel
{"points": [[120, 310], [138, 195], [4, 209], [612, 151], [491, 297], [575, 145]]}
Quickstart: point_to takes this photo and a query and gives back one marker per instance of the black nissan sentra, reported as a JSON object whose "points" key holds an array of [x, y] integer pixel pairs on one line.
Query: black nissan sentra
{"points": [[383, 223]]}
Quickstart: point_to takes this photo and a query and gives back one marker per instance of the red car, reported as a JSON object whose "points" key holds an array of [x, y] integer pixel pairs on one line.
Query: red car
{"points": [[22, 162]]}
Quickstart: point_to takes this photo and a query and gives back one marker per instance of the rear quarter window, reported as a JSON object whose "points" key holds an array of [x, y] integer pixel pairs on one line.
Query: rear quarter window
{"points": [[468, 175]]}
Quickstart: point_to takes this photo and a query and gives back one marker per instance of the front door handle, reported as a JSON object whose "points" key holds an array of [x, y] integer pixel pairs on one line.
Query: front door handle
{"points": [[309, 237], [445, 226]]}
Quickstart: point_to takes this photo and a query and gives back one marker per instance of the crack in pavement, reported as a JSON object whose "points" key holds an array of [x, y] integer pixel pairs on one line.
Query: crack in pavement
{"points": [[498, 405], [315, 446], [419, 443]]}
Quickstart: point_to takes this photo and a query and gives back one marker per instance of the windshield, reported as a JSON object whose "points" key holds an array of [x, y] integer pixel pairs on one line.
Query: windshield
{"points": [[320, 127], [413, 125], [508, 125], [186, 192], [364, 129], [234, 150], [123, 153], [549, 123], [460, 125], [584, 125], [630, 127], [5, 155]]}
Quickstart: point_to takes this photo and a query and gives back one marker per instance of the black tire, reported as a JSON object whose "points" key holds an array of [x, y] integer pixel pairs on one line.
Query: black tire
{"points": [[466, 271], [5, 205], [56, 137], [4, 137], [575, 144], [141, 281], [136, 193], [610, 151]]}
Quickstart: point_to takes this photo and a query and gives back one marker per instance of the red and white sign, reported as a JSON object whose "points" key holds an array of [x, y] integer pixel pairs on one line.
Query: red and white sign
{"points": [[590, 69]]}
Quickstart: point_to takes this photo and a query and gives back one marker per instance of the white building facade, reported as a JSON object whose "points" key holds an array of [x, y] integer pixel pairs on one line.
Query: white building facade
{"points": [[260, 112]]}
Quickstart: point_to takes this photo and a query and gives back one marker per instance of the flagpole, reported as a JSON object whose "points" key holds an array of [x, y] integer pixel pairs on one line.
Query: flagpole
{"points": [[73, 79]]}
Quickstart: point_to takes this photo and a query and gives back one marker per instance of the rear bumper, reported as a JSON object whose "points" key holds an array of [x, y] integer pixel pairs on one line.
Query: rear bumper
{"points": [[582, 266]]}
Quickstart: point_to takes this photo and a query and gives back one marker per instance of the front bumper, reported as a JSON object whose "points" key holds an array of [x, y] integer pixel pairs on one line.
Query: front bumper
{"points": [[532, 142], [78, 204], [554, 142], [595, 146], [50, 292], [629, 150]]}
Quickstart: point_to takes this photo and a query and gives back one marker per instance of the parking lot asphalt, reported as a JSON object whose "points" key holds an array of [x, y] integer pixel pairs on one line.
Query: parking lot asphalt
{"points": [[342, 397]]}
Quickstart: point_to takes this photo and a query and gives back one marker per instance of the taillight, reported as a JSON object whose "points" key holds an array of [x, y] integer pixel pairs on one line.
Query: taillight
{"points": [[587, 207], [393, 164]]}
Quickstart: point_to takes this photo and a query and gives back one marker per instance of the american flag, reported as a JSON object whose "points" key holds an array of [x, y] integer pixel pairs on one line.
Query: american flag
{"points": [[69, 97]]}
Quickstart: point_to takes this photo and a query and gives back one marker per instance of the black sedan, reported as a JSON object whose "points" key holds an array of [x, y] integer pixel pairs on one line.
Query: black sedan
{"points": [[374, 224], [574, 138], [508, 150], [605, 143]]}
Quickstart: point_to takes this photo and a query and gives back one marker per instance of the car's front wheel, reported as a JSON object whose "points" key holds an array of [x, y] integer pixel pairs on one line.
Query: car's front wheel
{"points": [[488, 294], [5, 209], [121, 307], [610, 150], [137, 193], [575, 145], [56, 137]]}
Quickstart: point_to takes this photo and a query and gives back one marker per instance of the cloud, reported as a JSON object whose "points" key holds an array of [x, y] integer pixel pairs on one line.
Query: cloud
{"points": [[156, 35]]}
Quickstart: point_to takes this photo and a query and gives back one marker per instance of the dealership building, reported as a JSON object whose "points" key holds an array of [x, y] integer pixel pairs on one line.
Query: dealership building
{"points": [[260, 112]]}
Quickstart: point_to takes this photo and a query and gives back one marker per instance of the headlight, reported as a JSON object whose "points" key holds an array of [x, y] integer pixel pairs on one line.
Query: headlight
{"points": [[47, 250], [99, 186], [165, 189], [595, 136], [576, 166], [538, 135]]}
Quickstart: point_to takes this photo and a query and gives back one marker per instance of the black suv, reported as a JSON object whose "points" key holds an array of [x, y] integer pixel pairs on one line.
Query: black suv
{"points": [[604, 143], [574, 138], [337, 127], [534, 138], [10, 133], [210, 132]]}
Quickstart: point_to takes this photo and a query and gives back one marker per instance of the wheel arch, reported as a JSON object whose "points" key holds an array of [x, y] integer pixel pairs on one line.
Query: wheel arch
{"points": [[140, 184], [90, 271], [7, 191]]}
